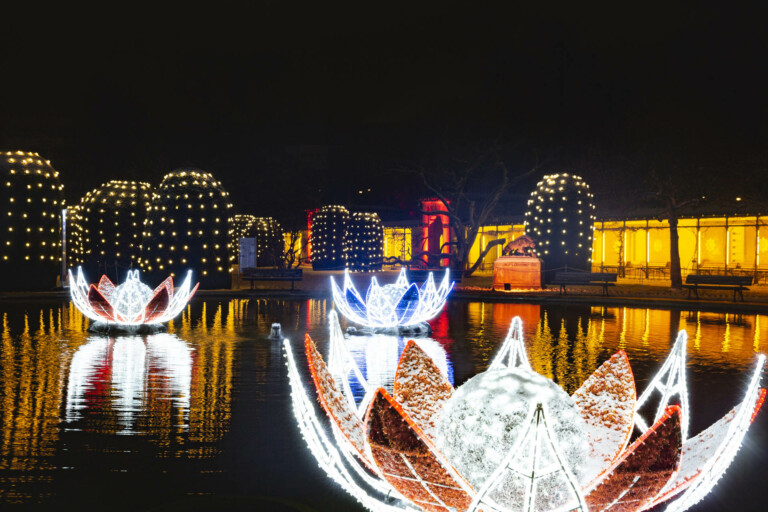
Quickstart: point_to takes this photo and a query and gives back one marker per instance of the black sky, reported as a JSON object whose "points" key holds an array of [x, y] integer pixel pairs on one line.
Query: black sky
{"points": [[323, 100]]}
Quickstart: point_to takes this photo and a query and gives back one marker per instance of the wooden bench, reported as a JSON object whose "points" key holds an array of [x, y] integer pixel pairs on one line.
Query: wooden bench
{"points": [[604, 279], [713, 282], [272, 274]]}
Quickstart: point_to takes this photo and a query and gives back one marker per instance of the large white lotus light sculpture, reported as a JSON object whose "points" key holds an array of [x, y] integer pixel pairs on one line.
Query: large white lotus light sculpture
{"points": [[510, 439], [132, 303], [400, 304]]}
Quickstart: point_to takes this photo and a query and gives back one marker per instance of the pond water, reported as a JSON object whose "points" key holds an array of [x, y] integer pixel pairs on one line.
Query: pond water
{"points": [[199, 418]]}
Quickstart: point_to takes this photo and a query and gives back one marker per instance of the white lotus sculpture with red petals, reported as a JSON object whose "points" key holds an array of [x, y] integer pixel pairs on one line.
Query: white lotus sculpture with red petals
{"points": [[132, 303], [510, 439]]}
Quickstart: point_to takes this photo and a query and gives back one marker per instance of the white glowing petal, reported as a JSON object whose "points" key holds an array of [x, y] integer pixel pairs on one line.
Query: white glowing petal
{"points": [[380, 307]]}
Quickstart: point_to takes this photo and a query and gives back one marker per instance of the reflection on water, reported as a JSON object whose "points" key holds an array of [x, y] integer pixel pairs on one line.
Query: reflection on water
{"points": [[204, 409], [131, 376]]}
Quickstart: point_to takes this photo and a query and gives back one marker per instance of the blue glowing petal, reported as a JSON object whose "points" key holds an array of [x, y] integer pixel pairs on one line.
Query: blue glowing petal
{"points": [[407, 305], [354, 302]]}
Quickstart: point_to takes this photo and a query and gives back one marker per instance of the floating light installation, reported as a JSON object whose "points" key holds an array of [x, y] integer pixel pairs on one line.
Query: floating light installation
{"points": [[422, 444], [328, 238], [132, 303], [32, 197], [560, 216], [400, 304], [186, 228], [364, 248]]}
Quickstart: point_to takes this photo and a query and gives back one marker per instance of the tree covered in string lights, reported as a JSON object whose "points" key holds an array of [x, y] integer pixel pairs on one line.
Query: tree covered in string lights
{"points": [[186, 228], [560, 217], [268, 233], [33, 197], [364, 248], [328, 238], [106, 227]]}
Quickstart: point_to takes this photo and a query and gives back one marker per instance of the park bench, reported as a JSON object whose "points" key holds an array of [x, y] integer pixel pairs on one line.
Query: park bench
{"points": [[604, 279], [714, 282], [272, 274]]}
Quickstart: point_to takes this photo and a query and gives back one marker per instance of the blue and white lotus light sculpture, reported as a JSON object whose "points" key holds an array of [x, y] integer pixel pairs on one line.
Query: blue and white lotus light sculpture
{"points": [[401, 304]]}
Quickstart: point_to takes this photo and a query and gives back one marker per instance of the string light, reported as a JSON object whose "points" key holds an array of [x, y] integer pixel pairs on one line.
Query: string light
{"points": [[559, 242], [32, 197], [364, 247], [187, 222]]}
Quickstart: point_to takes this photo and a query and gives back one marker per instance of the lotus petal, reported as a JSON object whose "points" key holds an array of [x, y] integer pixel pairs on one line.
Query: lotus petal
{"points": [[336, 406], [167, 284], [606, 401], [106, 287], [420, 387], [645, 468], [158, 304], [100, 305], [407, 305], [409, 462]]}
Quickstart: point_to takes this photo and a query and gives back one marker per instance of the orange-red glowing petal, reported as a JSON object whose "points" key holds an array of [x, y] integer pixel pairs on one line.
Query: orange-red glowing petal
{"points": [[698, 450], [106, 287], [333, 401], [606, 401], [100, 304], [158, 303], [420, 387], [645, 468], [409, 462]]}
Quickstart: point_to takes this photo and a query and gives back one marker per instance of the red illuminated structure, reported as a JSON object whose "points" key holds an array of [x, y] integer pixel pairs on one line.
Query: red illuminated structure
{"points": [[436, 233]]}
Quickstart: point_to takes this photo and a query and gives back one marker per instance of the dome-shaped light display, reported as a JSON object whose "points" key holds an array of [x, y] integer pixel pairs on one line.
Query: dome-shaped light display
{"points": [[108, 223], [560, 216], [186, 228], [267, 232], [364, 246], [32, 197], [329, 231]]}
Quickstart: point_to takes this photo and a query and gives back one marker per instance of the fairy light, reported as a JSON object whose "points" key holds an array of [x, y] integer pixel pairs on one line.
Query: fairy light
{"points": [[560, 242], [107, 223], [187, 220], [393, 305], [32, 196], [328, 237], [364, 247]]}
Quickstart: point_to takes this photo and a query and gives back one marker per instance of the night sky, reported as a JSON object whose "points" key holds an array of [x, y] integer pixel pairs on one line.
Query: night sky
{"points": [[293, 106]]}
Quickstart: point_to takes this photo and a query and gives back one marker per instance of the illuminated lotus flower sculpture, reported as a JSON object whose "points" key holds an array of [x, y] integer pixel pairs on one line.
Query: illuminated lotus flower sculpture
{"points": [[510, 439], [132, 303], [393, 305]]}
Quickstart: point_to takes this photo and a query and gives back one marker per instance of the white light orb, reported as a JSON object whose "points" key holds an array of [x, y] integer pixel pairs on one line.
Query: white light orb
{"points": [[480, 423]]}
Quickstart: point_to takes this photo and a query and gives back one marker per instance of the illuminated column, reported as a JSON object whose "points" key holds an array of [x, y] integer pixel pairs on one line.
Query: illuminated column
{"points": [[364, 242], [329, 230]]}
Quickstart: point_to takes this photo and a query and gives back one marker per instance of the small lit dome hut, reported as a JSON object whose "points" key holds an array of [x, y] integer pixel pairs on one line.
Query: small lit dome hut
{"points": [[186, 229], [240, 226], [329, 231], [33, 197], [560, 217], [110, 221], [364, 248], [270, 243]]}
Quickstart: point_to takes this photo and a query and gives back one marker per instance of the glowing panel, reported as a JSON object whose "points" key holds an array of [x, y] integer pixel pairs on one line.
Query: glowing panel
{"points": [[420, 387], [409, 462], [606, 401], [643, 470]]}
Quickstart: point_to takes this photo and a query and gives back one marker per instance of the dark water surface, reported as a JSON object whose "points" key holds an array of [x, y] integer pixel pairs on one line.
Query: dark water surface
{"points": [[199, 418]]}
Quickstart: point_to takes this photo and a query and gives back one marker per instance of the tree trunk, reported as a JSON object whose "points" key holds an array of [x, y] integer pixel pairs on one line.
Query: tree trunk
{"points": [[675, 274]]}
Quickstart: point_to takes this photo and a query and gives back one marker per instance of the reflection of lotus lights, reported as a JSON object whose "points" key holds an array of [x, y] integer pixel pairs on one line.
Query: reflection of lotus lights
{"points": [[395, 439], [127, 363], [391, 305], [132, 302]]}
